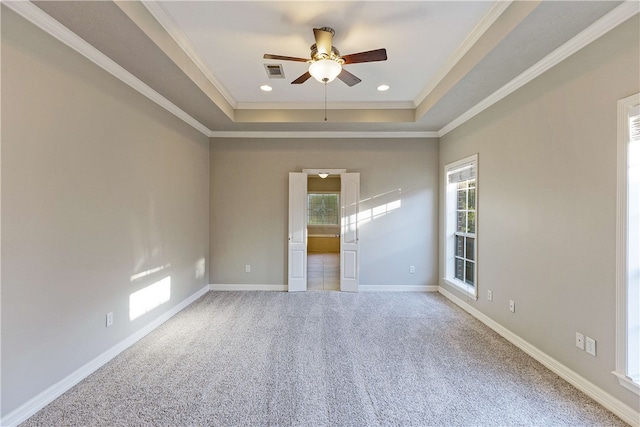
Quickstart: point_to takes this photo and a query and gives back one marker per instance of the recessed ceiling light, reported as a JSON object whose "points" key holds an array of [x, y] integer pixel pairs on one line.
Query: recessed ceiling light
{"points": [[266, 88], [382, 88]]}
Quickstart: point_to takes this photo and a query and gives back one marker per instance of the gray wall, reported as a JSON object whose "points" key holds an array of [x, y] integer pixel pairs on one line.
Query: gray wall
{"points": [[249, 206], [547, 206], [98, 184]]}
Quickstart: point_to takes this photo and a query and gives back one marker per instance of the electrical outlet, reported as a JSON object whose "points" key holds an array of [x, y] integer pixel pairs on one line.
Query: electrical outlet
{"points": [[490, 295], [247, 268], [579, 340], [591, 346], [412, 269], [109, 318], [512, 306]]}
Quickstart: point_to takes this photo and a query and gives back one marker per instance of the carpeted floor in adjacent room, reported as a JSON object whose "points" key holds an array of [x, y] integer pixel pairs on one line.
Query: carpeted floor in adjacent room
{"points": [[323, 359]]}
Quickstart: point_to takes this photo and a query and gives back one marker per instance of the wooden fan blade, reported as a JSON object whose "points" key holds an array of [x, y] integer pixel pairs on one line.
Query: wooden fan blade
{"points": [[303, 78], [369, 56], [284, 58], [324, 39], [348, 78]]}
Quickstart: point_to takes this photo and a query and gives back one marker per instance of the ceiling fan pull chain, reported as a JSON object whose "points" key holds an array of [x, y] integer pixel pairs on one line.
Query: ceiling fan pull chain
{"points": [[325, 101]]}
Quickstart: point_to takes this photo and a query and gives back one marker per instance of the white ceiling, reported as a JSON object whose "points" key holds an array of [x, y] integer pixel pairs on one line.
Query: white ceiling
{"points": [[445, 58], [231, 38]]}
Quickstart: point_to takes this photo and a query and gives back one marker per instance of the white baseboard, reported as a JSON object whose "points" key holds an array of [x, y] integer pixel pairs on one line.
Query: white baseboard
{"points": [[362, 288], [398, 288], [32, 406], [619, 408], [247, 287]]}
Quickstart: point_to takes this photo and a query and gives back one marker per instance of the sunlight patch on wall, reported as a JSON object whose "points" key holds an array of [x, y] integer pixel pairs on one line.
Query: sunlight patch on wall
{"points": [[201, 268], [149, 272], [146, 299], [384, 203], [368, 215]]}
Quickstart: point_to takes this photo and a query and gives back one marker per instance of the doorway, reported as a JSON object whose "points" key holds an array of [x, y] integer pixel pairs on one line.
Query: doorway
{"points": [[348, 236], [323, 233]]}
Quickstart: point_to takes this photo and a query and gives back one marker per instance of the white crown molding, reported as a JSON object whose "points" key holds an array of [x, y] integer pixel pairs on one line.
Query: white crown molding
{"points": [[171, 27], [39, 18], [485, 23], [29, 408], [42, 20], [339, 105], [282, 135], [616, 406], [45, 22], [605, 24]]}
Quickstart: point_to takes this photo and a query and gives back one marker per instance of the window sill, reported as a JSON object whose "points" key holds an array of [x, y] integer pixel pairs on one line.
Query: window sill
{"points": [[462, 287], [627, 382]]}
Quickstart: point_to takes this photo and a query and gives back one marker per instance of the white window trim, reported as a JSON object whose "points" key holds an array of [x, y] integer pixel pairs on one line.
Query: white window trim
{"points": [[621, 371], [450, 228]]}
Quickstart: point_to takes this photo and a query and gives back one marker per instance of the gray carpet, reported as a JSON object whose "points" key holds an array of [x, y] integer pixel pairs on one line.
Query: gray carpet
{"points": [[323, 359]]}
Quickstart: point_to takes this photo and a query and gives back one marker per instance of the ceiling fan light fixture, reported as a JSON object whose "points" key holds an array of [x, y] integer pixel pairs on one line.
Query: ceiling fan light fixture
{"points": [[325, 70], [326, 62]]}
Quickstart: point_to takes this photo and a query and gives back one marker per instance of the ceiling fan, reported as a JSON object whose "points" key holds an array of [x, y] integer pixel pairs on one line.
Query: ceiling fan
{"points": [[326, 62]]}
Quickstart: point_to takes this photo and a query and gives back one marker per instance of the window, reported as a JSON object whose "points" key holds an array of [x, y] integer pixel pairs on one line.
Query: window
{"points": [[323, 208], [628, 245], [460, 224]]}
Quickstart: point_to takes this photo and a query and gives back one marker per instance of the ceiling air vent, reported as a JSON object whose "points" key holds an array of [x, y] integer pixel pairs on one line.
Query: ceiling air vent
{"points": [[274, 71]]}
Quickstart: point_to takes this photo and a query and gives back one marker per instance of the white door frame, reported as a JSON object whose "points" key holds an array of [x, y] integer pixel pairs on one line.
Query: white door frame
{"points": [[352, 282]]}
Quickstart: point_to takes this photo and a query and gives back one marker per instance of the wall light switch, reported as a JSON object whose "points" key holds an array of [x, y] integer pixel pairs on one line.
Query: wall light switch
{"points": [[490, 295], [591, 346], [109, 318], [512, 306]]}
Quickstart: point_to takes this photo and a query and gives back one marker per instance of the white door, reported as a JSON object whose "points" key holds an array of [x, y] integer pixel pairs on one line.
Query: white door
{"points": [[349, 259], [297, 232]]}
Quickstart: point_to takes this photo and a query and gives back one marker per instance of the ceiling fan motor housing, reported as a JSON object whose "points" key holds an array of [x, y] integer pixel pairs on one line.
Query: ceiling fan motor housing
{"points": [[334, 56], [328, 30]]}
